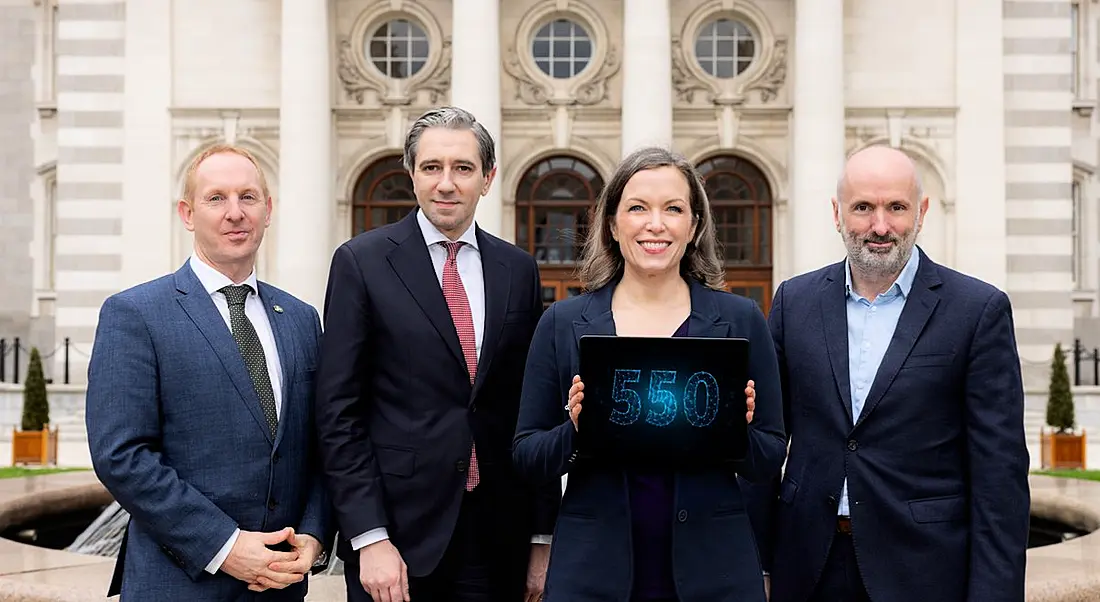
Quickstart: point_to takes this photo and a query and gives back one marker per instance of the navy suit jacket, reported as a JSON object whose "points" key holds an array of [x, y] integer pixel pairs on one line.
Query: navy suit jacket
{"points": [[936, 463], [396, 413], [178, 437], [714, 555]]}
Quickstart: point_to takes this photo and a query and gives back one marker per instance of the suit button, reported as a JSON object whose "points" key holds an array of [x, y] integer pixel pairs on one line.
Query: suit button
{"points": [[461, 465], [682, 516], [852, 445], [272, 504]]}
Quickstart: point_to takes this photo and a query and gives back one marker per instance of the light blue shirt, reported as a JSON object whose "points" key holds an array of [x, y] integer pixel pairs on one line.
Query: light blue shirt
{"points": [[871, 326]]}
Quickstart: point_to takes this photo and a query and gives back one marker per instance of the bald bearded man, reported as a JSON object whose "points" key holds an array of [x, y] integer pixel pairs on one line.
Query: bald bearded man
{"points": [[903, 399]]}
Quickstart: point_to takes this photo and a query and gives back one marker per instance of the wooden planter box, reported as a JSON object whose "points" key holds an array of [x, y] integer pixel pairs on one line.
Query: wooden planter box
{"points": [[34, 447], [1064, 450]]}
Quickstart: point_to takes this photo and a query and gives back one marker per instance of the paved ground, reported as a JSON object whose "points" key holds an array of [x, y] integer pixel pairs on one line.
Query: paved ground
{"points": [[1063, 572]]}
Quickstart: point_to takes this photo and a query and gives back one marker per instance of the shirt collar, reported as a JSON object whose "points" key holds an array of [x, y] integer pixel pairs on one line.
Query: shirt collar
{"points": [[904, 282], [213, 281], [432, 235]]}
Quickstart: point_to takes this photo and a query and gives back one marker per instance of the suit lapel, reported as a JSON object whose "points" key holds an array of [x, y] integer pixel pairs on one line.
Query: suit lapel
{"points": [[283, 328], [705, 319], [834, 319], [918, 309], [498, 278], [200, 308], [596, 318], [413, 265]]}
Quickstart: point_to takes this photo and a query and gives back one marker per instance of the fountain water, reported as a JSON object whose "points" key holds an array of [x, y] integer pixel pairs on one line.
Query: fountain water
{"points": [[104, 536]]}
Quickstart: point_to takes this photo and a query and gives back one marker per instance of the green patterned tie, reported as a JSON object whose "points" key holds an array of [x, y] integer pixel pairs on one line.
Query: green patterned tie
{"points": [[252, 351]]}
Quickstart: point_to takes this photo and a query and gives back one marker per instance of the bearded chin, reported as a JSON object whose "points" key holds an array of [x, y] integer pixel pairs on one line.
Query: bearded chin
{"points": [[880, 265]]}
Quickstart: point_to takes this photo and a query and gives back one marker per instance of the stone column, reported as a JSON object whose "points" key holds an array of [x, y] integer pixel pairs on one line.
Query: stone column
{"points": [[817, 138], [475, 85], [303, 213], [647, 74]]}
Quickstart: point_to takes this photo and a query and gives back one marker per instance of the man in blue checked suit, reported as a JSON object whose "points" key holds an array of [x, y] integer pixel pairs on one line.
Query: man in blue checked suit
{"points": [[200, 411], [906, 479]]}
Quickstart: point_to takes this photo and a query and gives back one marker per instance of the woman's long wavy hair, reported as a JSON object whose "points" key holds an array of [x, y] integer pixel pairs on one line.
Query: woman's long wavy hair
{"points": [[602, 260]]}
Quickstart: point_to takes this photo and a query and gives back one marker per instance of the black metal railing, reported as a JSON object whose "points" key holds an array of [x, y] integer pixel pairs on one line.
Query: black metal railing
{"points": [[1086, 365], [14, 357]]}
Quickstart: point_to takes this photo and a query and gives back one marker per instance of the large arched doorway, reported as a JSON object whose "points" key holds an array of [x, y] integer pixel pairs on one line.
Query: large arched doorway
{"points": [[553, 201], [741, 200], [383, 195]]}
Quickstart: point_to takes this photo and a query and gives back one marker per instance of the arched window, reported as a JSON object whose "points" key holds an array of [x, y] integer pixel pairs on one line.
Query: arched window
{"points": [[383, 195], [742, 204], [553, 201]]}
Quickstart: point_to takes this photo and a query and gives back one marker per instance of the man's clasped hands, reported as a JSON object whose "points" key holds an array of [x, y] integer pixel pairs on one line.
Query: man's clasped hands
{"points": [[252, 561]]}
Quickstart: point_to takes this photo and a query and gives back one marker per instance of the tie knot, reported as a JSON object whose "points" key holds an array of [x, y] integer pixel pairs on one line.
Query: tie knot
{"points": [[236, 294], [452, 248]]}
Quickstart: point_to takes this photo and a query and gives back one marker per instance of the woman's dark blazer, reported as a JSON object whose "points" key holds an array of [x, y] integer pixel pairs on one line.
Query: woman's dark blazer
{"points": [[714, 553]]}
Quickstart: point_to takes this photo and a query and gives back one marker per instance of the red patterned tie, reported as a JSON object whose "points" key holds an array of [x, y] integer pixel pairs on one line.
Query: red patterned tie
{"points": [[459, 305]]}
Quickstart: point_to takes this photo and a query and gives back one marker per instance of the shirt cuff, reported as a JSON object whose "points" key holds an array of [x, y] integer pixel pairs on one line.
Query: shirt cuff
{"points": [[365, 539], [543, 539], [216, 563]]}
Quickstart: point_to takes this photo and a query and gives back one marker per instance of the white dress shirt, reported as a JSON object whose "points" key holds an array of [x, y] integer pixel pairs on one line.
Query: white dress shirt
{"points": [[213, 280], [473, 282]]}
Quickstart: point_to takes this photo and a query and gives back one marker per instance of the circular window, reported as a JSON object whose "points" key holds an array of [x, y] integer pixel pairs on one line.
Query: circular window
{"points": [[399, 48], [562, 48], [725, 48]]}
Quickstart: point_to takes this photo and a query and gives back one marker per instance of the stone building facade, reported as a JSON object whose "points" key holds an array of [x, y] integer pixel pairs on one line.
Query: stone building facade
{"points": [[993, 99]]}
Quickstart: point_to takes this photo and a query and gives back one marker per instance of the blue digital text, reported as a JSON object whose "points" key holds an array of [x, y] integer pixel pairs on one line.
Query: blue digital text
{"points": [[700, 398]]}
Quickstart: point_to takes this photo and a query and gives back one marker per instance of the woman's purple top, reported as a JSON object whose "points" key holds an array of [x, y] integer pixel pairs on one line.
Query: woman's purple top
{"points": [[652, 501]]}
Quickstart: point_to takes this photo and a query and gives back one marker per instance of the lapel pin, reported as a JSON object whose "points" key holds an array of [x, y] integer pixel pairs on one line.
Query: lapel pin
{"points": [[278, 309]]}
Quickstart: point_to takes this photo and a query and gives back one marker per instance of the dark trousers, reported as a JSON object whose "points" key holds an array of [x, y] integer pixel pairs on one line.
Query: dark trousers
{"points": [[840, 581], [465, 573]]}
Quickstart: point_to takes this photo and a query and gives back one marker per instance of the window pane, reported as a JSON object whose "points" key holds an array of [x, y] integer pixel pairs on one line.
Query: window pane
{"points": [[583, 49], [540, 48]]}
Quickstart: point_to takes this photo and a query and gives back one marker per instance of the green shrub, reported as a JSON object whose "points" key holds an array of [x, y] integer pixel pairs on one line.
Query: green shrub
{"points": [[1060, 399], [36, 408]]}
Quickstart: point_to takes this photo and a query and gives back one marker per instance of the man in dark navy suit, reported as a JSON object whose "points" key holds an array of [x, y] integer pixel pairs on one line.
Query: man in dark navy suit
{"points": [[906, 479], [427, 326]]}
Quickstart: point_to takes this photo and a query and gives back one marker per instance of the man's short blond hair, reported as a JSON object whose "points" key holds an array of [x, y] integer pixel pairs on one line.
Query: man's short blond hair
{"points": [[189, 179]]}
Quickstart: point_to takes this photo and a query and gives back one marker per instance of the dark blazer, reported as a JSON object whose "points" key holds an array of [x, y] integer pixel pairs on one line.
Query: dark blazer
{"points": [[714, 554], [395, 409], [178, 437], [937, 463]]}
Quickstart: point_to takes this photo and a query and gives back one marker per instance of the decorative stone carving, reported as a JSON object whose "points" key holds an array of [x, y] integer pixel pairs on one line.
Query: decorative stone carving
{"points": [[766, 75], [354, 81], [776, 73], [357, 78], [527, 89], [688, 78], [595, 90], [590, 86], [684, 81], [534, 87]]}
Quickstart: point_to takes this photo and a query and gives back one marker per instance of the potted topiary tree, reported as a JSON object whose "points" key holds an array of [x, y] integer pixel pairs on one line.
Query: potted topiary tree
{"points": [[1061, 448], [34, 443]]}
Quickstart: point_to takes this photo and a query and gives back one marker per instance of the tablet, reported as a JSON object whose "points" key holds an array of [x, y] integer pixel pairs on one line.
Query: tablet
{"points": [[663, 403]]}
